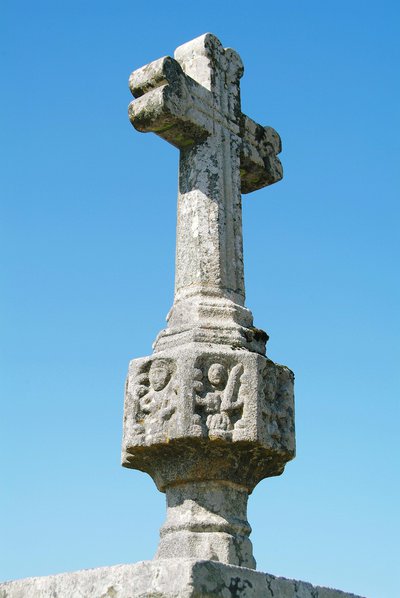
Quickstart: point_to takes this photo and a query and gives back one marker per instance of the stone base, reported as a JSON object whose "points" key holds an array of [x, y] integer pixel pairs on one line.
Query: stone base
{"points": [[169, 578], [207, 521]]}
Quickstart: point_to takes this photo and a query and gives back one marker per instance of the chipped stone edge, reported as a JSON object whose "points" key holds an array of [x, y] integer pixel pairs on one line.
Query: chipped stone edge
{"points": [[169, 578]]}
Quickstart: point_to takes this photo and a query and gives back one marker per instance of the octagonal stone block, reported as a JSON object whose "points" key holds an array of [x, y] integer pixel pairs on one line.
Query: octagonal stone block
{"points": [[200, 412]]}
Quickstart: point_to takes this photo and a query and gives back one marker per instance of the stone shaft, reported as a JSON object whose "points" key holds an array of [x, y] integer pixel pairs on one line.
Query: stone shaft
{"points": [[209, 252], [207, 520]]}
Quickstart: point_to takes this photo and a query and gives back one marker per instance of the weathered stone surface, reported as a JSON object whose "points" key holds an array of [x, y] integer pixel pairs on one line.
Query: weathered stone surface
{"points": [[174, 578], [207, 415], [195, 412]]}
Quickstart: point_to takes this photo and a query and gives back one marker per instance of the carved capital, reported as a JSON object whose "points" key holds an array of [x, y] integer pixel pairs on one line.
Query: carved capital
{"points": [[197, 413]]}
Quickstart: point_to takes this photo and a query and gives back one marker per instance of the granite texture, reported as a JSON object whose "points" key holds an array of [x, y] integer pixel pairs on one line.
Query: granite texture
{"points": [[173, 578]]}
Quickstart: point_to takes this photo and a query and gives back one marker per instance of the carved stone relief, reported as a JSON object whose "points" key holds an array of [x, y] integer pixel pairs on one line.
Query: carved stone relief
{"points": [[218, 407], [154, 394], [277, 405], [284, 413]]}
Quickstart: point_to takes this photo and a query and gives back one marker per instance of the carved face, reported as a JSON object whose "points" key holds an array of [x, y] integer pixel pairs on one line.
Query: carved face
{"points": [[217, 375], [158, 375]]}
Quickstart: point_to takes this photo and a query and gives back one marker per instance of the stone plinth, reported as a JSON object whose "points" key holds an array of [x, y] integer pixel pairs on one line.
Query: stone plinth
{"points": [[173, 578]]}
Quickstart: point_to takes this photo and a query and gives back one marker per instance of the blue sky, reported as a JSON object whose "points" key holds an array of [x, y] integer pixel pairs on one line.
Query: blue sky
{"points": [[88, 235]]}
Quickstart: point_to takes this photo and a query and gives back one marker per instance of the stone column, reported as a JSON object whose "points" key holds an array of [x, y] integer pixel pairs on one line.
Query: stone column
{"points": [[207, 520]]}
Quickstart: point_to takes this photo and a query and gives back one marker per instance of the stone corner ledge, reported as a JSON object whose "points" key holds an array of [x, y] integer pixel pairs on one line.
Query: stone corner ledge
{"points": [[169, 578]]}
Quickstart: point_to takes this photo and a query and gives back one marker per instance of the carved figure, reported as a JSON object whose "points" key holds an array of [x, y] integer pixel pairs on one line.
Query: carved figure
{"points": [[221, 401], [284, 413], [155, 398], [268, 406], [277, 404]]}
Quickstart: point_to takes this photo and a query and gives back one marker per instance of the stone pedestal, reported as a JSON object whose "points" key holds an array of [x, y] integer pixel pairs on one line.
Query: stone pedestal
{"points": [[172, 578], [207, 518]]}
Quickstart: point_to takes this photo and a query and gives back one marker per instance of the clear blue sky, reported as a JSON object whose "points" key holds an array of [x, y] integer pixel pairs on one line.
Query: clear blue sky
{"points": [[88, 235]]}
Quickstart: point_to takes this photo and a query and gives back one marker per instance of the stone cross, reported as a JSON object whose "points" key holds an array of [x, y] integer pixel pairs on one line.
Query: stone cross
{"points": [[208, 415], [193, 101]]}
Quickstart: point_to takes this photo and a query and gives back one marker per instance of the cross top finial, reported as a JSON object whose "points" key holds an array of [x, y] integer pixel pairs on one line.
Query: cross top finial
{"points": [[173, 103], [209, 63]]}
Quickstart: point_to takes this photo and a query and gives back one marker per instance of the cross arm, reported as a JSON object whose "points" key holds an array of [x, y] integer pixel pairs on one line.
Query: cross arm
{"points": [[259, 163], [167, 103]]}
